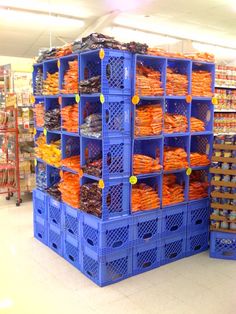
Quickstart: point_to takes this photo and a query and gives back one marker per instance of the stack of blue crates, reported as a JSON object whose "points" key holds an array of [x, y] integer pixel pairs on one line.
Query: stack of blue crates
{"points": [[121, 244]]}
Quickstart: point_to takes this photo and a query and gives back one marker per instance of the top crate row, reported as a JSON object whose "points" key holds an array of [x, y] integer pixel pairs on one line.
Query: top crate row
{"points": [[111, 72]]}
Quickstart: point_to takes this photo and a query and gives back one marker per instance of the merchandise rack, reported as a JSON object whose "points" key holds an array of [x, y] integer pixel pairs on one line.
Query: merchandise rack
{"points": [[11, 156], [121, 243]]}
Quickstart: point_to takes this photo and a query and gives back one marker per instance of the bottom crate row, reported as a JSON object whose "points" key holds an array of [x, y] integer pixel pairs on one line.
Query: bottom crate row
{"points": [[223, 245], [110, 268]]}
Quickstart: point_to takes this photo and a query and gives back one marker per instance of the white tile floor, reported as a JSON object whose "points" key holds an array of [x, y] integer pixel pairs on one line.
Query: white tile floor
{"points": [[35, 280]]}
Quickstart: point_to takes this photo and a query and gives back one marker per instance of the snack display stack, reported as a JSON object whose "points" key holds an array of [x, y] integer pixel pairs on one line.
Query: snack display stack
{"points": [[223, 198], [122, 166]]}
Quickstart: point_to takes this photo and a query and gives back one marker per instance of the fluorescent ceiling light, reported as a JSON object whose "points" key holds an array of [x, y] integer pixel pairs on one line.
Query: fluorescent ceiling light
{"points": [[14, 16]]}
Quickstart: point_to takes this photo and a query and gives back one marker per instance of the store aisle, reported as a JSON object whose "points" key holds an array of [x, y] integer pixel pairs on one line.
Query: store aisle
{"points": [[35, 280]]}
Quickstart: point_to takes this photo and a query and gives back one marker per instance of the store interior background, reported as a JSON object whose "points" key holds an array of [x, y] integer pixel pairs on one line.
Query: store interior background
{"points": [[183, 26]]}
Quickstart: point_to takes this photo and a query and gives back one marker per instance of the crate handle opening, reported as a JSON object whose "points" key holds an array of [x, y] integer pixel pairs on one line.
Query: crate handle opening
{"points": [[174, 228], [228, 253], [71, 258], [71, 231], [173, 255], [55, 222], [197, 247], [116, 276], [147, 264], [147, 236], [199, 222], [90, 242], [117, 244], [55, 246], [40, 235], [40, 211]]}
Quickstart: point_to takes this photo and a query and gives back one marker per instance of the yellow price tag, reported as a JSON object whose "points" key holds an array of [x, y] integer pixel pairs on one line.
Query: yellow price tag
{"points": [[214, 101], [58, 63], [188, 99], [101, 53], [32, 99], [77, 98], [133, 180], [189, 171], [102, 99], [135, 100], [35, 162], [32, 69], [101, 184], [35, 131], [45, 132]]}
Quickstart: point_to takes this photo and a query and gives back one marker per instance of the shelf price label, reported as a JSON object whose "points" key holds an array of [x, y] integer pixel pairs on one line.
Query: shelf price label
{"points": [[60, 100], [188, 99], [133, 180], [77, 98], [189, 171], [45, 131], [102, 99], [101, 54], [35, 162], [58, 63], [135, 100], [101, 184], [32, 99], [214, 101], [35, 131]]}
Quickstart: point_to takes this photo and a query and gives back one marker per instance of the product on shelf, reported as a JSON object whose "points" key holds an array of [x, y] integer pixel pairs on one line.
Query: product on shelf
{"points": [[175, 158], [52, 119], [172, 192], [201, 84], [7, 176], [70, 118], [136, 47], [71, 79], [91, 199], [175, 123], [225, 76], [148, 120], [92, 125], [63, 51], [226, 99], [3, 119], [197, 125], [41, 176], [144, 197], [39, 114], [70, 189], [201, 56], [90, 86], [54, 191], [51, 84], [198, 186], [51, 153], [145, 164], [176, 83], [38, 88], [72, 162], [93, 167], [225, 123], [148, 81], [197, 159]]}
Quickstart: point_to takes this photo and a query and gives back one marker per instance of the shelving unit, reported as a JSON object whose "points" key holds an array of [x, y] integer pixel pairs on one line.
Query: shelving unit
{"points": [[223, 218], [121, 243]]}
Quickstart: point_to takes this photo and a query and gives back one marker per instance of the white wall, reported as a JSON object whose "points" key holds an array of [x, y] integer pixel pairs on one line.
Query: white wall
{"points": [[17, 64]]}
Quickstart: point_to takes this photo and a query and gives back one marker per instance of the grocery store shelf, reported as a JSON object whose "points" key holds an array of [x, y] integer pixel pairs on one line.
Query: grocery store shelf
{"points": [[225, 110], [226, 87], [224, 133], [222, 230]]}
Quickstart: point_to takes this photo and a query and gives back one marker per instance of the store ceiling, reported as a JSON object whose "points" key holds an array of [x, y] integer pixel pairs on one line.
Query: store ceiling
{"points": [[22, 34]]}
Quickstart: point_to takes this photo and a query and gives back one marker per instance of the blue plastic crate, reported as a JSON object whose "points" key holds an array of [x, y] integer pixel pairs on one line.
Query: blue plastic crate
{"points": [[70, 146], [202, 144], [115, 154], [154, 62], [55, 212], [197, 241], [64, 66], [72, 251], [174, 220], [108, 270], [198, 214], [40, 204], [106, 237], [41, 230], [180, 107], [173, 248], [51, 103], [181, 67], [72, 221], [150, 147], [55, 239], [146, 257], [223, 245], [115, 112], [204, 111], [147, 226], [114, 68]]}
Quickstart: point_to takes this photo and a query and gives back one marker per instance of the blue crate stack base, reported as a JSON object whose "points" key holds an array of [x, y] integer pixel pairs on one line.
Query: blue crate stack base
{"points": [[120, 243], [223, 199]]}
